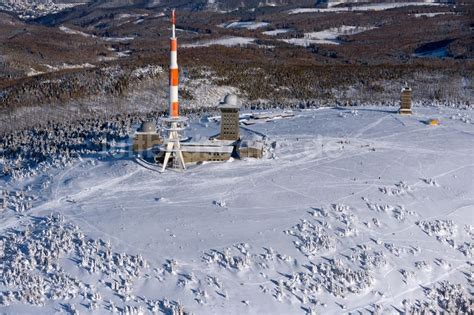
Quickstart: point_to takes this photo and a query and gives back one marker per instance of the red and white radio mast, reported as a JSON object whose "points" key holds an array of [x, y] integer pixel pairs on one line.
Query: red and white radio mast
{"points": [[173, 124], [174, 73]]}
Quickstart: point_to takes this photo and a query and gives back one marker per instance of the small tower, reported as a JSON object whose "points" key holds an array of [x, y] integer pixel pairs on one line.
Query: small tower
{"points": [[405, 101], [230, 129]]}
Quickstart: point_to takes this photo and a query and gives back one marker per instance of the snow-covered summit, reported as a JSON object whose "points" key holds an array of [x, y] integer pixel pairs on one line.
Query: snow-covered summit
{"points": [[353, 209]]}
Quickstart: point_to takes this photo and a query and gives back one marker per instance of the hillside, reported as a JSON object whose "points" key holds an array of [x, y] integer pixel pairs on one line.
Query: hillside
{"points": [[293, 52], [346, 207]]}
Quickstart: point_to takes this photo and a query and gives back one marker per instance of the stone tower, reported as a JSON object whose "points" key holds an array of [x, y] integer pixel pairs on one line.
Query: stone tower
{"points": [[405, 101]]}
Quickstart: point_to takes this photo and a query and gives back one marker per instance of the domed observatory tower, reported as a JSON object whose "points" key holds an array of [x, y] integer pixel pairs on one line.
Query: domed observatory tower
{"points": [[230, 107], [146, 137]]}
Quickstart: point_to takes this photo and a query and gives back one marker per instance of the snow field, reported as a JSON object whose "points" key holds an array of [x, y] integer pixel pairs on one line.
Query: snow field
{"points": [[329, 36], [367, 7], [361, 212]]}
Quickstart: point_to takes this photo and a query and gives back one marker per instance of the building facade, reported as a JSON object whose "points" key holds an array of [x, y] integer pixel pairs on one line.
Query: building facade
{"points": [[251, 149], [230, 129]]}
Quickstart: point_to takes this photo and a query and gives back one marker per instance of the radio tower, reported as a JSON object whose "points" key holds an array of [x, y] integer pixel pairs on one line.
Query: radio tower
{"points": [[173, 124]]}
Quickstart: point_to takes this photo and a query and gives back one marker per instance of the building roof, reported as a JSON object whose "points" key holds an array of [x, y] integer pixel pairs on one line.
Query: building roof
{"points": [[271, 115], [252, 144], [208, 146], [207, 149], [148, 127], [406, 88], [209, 142], [230, 101]]}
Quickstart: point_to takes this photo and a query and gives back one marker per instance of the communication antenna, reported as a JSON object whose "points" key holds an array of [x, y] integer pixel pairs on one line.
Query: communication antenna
{"points": [[173, 125]]}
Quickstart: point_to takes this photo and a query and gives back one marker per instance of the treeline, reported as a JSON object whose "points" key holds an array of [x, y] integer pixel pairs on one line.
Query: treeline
{"points": [[68, 85], [346, 83]]}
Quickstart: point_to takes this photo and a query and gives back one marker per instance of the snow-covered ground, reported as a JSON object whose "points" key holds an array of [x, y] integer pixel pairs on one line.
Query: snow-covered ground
{"points": [[71, 31], [118, 39], [131, 16], [366, 7], [33, 9], [225, 41], [250, 25], [353, 210], [276, 32], [206, 94], [329, 36], [64, 66], [432, 14]]}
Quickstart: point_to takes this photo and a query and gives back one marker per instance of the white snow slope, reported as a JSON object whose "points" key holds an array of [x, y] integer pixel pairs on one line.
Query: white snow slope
{"points": [[251, 25], [366, 7], [228, 41], [358, 210], [328, 36]]}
